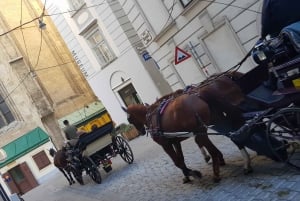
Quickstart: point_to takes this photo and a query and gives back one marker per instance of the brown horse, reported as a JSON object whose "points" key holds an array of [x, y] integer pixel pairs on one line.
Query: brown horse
{"points": [[61, 162], [186, 113], [212, 103]]}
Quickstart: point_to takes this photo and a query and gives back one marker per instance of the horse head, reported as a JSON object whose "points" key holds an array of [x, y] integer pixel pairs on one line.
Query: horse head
{"points": [[136, 115], [52, 152]]}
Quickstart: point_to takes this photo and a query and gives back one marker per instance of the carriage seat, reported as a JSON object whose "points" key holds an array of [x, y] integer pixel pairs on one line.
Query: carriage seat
{"points": [[265, 96], [86, 139]]}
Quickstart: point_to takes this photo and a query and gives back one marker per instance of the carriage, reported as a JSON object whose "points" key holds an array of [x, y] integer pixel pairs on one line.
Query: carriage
{"points": [[273, 111], [96, 149], [259, 109]]}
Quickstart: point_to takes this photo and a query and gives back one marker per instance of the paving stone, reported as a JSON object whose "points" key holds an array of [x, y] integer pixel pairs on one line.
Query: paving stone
{"points": [[154, 177]]}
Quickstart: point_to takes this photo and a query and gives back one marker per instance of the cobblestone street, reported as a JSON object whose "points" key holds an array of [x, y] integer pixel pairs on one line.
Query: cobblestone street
{"points": [[153, 177]]}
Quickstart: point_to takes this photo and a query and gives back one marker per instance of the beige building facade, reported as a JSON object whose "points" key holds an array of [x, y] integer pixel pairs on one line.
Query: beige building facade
{"points": [[40, 83], [41, 68]]}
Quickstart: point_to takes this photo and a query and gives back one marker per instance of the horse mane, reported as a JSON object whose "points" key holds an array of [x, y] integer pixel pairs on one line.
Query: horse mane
{"points": [[138, 109]]}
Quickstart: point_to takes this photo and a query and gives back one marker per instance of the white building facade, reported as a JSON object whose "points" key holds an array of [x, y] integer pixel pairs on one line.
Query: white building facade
{"points": [[126, 48]]}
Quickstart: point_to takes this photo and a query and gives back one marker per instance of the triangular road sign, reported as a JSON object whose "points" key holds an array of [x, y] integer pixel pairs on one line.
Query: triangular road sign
{"points": [[180, 55]]}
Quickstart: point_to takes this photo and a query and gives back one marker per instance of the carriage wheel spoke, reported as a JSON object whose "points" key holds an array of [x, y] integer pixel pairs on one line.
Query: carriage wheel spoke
{"points": [[284, 126]]}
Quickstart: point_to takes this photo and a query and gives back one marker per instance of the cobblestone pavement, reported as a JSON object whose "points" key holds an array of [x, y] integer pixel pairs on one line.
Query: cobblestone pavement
{"points": [[153, 177]]}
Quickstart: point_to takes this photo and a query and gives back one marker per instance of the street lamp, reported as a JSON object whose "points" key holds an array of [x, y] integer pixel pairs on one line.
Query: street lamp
{"points": [[42, 25]]}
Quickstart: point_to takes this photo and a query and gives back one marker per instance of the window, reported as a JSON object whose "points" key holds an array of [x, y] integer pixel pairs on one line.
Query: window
{"points": [[41, 159], [6, 116], [100, 47], [76, 4], [185, 3]]}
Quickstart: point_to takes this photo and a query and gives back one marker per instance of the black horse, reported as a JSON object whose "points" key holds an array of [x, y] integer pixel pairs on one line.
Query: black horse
{"points": [[61, 162]]}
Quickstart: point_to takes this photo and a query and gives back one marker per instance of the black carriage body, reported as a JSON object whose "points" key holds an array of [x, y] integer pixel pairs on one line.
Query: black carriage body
{"points": [[96, 149], [104, 152], [271, 110]]}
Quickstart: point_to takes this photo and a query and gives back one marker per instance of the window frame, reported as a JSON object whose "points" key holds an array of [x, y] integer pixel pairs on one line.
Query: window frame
{"points": [[73, 6], [6, 115], [97, 46], [41, 160]]}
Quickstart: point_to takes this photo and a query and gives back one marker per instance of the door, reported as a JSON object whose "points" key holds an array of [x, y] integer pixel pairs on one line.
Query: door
{"points": [[21, 180], [129, 95]]}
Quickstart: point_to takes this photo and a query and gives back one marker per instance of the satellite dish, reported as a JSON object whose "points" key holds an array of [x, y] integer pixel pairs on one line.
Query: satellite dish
{"points": [[3, 155]]}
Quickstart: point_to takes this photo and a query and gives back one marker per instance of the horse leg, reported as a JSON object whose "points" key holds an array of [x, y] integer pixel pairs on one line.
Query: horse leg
{"points": [[204, 153], [203, 140], [178, 149], [66, 176], [71, 177], [207, 156], [177, 160], [247, 161]]}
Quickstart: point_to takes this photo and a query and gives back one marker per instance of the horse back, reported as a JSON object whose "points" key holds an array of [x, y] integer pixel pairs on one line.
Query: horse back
{"points": [[222, 88], [60, 159], [183, 113]]}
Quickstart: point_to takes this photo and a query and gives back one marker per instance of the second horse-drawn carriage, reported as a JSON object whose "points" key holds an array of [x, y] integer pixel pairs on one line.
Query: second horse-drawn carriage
{"points": [[96, 149]]}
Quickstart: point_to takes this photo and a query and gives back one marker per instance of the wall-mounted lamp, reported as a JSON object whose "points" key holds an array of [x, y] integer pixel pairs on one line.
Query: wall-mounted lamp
{"points": [[42, 25]]}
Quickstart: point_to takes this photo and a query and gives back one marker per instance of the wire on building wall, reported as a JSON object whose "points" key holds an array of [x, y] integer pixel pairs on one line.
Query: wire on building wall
{"points": [[87, 7]]}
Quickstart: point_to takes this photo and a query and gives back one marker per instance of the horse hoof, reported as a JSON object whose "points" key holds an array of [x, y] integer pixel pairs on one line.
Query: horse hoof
{"points": [[207, 159], [248, 170], [217, 179], [196, 174], [186, 180]]}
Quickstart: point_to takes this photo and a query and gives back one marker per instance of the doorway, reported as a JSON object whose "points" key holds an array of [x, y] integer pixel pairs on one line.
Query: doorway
{"points": [[20, 179], [129, 95]]}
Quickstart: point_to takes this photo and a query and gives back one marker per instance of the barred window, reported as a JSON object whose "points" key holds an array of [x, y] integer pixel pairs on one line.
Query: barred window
{"points": [[185, 3], [6, 116], [100, 47]]}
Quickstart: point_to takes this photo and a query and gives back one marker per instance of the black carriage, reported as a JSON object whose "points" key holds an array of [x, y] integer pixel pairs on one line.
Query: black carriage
{"points": [[96, 149], [272, 106]]}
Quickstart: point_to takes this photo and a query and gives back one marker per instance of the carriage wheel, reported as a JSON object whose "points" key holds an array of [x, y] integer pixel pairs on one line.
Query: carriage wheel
{"points": [[124, 149], [285, 127], [92, 170]]}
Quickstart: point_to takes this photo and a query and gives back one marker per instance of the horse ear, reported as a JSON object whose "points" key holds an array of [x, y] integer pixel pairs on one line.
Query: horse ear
{"points": [[146, 104], [124, 109]]}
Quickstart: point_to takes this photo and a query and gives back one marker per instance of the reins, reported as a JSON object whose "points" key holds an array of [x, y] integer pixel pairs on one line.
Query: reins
{"points": [[157, 131]]}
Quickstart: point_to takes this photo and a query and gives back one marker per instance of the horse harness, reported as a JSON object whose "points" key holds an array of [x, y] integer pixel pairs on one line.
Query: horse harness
{"points": [[158, 111]]}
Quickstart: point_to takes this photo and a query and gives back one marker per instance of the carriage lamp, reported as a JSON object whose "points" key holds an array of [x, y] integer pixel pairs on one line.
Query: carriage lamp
{"points": [[258, 53]]}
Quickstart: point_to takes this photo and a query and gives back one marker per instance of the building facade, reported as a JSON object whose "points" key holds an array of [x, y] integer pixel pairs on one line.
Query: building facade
{"points": [[49, 74], [126, 48], [40, 83]]}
